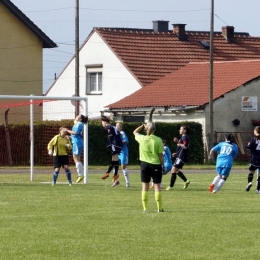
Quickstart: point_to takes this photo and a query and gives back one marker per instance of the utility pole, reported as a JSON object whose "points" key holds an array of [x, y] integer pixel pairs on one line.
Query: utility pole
{"points": [[211, 134], [77, 57]]}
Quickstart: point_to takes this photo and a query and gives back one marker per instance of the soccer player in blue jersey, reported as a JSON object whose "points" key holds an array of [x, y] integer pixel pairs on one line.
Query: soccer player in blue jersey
{"points": [[77, 143], [114, 143], [167, 158], [181, 157], [254, 147], [123, 156], [227, 152], [58, 147]]}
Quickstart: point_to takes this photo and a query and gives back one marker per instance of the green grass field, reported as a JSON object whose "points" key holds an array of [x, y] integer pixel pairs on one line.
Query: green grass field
{"points": [[96, 221]]}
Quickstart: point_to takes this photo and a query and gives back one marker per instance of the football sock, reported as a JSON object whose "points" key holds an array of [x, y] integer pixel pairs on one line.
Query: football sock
{"points": [[126, 175], [55, 176], [250, 177], [220, 184], [158, 199], [79, 168], [173, 179], [216, 180], [145, 199], [182, 176], [68, 174], [258, 183], [116, 167], [111, 166]]}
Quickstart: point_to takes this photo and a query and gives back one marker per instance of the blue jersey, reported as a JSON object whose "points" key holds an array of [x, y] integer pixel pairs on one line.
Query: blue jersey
{"points": [[181, 153], [167, 156], [77, 139], [227, 152], [125, 142]]}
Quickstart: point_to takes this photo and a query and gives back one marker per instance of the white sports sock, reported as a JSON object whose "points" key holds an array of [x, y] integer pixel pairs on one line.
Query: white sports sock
{"points": [[220, 184], [126, 175], [79, 168], [216, 180]]}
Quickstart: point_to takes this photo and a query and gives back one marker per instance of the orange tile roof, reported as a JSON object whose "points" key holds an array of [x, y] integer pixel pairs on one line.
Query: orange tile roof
{"points": [[151, 55], [189, 86]]}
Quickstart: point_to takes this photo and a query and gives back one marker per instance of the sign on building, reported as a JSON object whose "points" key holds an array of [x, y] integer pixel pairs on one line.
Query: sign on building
{"points": [[249, 103]]}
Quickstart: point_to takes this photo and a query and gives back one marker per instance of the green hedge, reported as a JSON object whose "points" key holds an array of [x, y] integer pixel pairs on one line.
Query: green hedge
{"points": [[98, 153]]}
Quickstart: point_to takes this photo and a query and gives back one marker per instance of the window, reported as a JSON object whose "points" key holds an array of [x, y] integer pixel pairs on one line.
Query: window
{"points": [[94, 79]]}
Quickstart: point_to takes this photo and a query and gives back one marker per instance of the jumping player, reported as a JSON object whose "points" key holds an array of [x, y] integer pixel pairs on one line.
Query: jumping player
{"points": [[77, 142], [181, 156], [227, 152], [254, 147], [114, 143], [123, 156]]}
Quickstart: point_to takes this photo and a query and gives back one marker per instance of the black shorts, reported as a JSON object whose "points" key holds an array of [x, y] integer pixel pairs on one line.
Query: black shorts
{"points": [[149, 171], [253, 167], [178, 163], [114, 149], [60, 161]]}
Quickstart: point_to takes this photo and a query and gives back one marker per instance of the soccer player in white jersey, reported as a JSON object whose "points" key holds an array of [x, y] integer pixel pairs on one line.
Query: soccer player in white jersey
{"points": [[227, 152], [77, 143], [254, 147], [123, 156]]}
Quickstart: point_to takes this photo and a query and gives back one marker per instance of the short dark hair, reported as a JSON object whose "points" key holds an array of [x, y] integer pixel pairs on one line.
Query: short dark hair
{"points": [[84, 119], [230, 138], [105, 119]]}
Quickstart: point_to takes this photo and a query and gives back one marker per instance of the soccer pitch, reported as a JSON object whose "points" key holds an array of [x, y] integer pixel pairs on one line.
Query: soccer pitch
{"points": [[96, 221]]}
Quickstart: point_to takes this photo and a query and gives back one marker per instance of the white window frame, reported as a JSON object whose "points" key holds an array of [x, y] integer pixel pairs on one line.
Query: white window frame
{"points": [[97, 70]]}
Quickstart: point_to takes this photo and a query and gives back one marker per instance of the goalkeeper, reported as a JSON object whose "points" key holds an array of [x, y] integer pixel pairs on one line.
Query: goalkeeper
{"points": [[59, 147], [77, 142]]}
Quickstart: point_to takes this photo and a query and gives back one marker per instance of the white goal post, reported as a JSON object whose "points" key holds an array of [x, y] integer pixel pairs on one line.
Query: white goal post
{"points": [[31, 99]]}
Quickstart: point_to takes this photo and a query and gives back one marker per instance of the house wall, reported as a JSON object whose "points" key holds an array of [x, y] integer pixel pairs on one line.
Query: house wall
{"points": [[21, 59], [117, 81]]}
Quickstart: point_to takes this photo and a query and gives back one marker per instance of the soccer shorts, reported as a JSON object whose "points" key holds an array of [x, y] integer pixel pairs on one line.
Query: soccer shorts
{"points": [[149, 171], [123, 158], [60, 161], [223, 171], [114, 149], [253, 167], [178, 163], [77, 149]]}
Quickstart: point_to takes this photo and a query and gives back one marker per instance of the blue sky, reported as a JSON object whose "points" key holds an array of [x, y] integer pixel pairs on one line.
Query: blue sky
{"points": [[56, 18]]}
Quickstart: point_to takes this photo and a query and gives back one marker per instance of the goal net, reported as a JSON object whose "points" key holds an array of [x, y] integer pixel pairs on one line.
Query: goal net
{"points": [[28, 123]]}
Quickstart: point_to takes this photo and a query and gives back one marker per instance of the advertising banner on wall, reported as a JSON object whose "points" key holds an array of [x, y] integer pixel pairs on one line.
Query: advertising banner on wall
{"points": [[249, 103]]}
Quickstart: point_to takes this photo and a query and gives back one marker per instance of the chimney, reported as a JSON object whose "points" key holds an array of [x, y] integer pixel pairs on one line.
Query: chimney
{"points": [[228, 33], [179, 30], [160, 26]]}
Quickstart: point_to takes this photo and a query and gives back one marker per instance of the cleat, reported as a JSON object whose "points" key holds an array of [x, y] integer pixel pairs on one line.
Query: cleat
{"points": [[160, 210], [70, 183], [115, 177], [249, 185], [145, 211], [105, 176], [186, 184], [169, 188], [257, 191], [79, 179], [53, 183], [151, 187], [127, 185], [214, 192], [211, 187], [115, 183]]}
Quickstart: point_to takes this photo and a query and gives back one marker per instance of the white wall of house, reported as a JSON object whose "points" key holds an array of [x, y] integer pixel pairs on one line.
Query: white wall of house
{"points": [[117, 81]]}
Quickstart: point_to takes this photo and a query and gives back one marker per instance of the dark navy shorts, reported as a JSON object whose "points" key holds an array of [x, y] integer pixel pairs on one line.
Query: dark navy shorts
{"points": [[151, 171]]}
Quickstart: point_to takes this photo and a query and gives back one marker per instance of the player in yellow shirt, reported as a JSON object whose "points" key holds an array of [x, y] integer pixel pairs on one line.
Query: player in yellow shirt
{"points": [[58, 147]]}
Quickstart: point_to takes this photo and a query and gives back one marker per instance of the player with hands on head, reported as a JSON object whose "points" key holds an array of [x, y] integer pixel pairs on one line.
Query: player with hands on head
{"points": [[151, 157], [59, 146], [254, 147], [227, 152], [78, 143], [181, 157]]}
